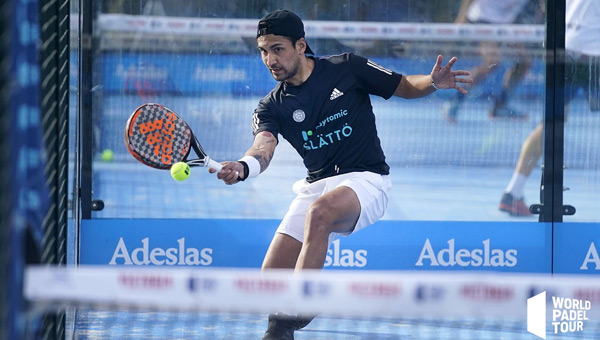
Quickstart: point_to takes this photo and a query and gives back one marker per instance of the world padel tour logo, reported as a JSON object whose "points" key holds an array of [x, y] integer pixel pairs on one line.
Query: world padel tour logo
{"points": [[568, 315]]}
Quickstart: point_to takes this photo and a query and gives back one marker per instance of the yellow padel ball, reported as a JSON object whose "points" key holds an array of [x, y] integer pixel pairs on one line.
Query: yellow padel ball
{"points": [[180, 171]]}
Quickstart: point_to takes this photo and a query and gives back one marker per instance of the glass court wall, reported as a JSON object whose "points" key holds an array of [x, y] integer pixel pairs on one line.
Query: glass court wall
{"points": [[451, 156]]}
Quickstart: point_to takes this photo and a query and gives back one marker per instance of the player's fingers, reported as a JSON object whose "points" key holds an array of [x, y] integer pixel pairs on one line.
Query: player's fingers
{"points": [[463, 91], [464, 80], [231, 177], [438, 62], [451, 62], [461, 73], [227, 176], [223, 174]]}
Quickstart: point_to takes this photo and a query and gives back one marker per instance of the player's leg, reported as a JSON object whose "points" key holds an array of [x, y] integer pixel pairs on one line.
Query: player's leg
{"points": [[364, 196], [490, 60], [512, 78], [282, 253], [513, 201], [336, 211], [587, 76], [351, 202], [531, 151], [490, 54], [286, 244]]}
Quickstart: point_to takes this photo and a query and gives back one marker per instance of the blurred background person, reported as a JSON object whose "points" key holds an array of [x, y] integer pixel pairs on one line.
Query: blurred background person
{"points": [[582, 44], [496, 12]]}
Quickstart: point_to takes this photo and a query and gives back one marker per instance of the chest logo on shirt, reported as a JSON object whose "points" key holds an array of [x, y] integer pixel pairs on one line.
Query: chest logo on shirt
{"points": [[298, 116], [315, 140]]}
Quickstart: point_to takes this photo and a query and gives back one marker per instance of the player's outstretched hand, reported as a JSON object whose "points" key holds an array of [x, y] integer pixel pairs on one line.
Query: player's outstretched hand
{"points": [[230, 173], [445, 78]]}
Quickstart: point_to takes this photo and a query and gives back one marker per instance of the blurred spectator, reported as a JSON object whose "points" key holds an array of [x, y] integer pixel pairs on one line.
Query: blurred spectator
{"points": [[582, 42], [494, 12]]}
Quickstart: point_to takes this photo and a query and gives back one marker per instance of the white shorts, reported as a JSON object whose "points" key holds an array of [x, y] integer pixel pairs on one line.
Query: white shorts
{"points": [[371, 189]]}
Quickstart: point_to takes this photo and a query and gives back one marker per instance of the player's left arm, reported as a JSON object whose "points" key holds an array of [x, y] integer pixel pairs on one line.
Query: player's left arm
{"points": [[420, 85]]}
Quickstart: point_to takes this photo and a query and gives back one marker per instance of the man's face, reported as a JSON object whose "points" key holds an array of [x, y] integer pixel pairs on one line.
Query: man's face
{"points": [[280, 57]]}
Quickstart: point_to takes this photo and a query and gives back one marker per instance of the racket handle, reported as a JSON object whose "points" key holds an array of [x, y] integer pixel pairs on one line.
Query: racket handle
{"points": [[213, 164]]}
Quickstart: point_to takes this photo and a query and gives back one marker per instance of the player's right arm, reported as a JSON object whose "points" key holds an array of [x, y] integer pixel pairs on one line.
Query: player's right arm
{"points": [[265, 127], [257, 158], [263, 149]]}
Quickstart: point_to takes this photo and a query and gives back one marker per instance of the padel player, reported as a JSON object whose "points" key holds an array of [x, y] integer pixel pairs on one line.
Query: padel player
{"points": [[321, 105]]}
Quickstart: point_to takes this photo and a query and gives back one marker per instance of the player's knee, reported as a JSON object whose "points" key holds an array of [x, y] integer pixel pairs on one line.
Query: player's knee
{"points": [[318, 218]]}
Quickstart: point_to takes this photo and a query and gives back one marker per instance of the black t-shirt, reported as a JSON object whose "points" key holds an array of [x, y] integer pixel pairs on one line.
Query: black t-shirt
{"points": [[329, 118]]}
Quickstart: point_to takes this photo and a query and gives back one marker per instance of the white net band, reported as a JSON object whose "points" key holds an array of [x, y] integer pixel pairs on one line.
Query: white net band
{"points": [[246, 28], [343, 293]]}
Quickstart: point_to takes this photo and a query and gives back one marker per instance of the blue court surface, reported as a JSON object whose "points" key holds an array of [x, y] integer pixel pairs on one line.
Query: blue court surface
{"points": [[183, 326], [439, 171]]}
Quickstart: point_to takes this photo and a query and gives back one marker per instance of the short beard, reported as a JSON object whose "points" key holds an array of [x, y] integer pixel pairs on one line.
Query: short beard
{"points": [[291, 73]]}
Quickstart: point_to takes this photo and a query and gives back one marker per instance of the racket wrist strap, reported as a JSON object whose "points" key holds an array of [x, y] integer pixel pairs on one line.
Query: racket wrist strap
{"points": [[251, 166]]}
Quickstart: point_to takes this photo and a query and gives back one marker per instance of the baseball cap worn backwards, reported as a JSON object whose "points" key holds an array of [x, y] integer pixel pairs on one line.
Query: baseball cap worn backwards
{"points": [[282, 22]]}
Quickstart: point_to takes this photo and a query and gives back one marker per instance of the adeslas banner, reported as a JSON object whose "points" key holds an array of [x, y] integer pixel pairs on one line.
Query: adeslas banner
{"points": [[386, 245]]}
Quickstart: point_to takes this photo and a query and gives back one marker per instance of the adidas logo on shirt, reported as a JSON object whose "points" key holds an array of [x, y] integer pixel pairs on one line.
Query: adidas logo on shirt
{"points": [[335, 94]]}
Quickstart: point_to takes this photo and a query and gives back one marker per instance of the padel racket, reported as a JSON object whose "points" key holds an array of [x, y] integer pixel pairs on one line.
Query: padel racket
{"points": [[159, 138]]}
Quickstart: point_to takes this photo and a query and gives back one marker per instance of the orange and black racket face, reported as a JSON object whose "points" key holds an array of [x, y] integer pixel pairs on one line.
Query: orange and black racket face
{"points": [[157, 136]]}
